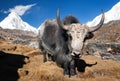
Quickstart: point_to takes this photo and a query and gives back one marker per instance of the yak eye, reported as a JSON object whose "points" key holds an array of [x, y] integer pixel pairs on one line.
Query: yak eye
{"points": [[70, 37], [66, 36]]}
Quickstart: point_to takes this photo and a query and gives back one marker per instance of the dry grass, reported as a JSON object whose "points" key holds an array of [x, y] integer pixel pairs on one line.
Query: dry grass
{"points": [[33, 68], [14, 48]]}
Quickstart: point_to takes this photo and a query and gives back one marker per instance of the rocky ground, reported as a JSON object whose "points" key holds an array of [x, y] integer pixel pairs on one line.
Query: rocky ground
{"points": [[104, 50], [106, 42], [24, 63]]}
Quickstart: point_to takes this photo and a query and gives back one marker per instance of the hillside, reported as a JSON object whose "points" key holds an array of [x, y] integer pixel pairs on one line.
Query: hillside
{"points": [[24, 63], [110, 32], [106, 41], [19, 36]]}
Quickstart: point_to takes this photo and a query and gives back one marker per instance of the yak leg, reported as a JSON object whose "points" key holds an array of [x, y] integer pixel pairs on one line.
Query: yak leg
{"points": [[43, 51], [44, 56], [49, 57], [72, 68], [66, 69]]}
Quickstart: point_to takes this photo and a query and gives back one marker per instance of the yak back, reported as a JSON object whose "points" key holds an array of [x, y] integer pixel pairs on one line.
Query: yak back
{"points": [[55, 38]]}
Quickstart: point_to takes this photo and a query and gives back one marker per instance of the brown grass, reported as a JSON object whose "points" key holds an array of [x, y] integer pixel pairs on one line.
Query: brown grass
{"points": [[33, 68]]}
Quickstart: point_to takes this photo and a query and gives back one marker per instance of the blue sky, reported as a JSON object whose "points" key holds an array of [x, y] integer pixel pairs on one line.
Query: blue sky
{"points": [[35, 12]]}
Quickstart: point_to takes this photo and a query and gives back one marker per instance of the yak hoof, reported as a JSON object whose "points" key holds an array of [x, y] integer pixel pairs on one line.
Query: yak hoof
{"points": [[49, 59], [45, 60], [74, 76], [66, 76]]}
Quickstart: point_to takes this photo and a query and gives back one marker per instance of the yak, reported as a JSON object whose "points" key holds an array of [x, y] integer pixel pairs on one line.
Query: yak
{"points": [[64, 40]]}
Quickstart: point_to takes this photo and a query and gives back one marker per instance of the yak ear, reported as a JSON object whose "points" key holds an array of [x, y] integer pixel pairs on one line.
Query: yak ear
{"points": [[60, 24], [89, 35], [95, 28]]}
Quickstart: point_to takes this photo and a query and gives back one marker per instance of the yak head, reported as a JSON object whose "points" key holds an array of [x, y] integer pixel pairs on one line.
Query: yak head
{"points": [[78, 33]]}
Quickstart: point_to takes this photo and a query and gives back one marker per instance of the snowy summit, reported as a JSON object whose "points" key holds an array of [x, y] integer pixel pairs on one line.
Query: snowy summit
{"points": [[111, 15], [13, 21]]}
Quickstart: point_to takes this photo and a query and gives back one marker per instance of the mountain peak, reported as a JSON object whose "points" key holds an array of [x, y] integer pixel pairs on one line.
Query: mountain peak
{"points": [[111, 15], [14, 21], [117, 5], [13, 15]]}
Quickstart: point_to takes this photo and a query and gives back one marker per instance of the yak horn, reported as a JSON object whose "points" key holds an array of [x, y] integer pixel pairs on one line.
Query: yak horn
{"points": [[58, 19], [93, 29]]}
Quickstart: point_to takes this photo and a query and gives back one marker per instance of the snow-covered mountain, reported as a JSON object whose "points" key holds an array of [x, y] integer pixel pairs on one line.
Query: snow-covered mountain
{"points": [[111, 15], [13, 21]]}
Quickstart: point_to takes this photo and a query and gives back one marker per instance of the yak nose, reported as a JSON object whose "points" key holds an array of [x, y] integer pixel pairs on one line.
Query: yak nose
{"points": [[75, 53]]}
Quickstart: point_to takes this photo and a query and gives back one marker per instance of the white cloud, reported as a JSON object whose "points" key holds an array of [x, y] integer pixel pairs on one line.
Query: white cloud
{"points": [[5, 12], [19, 9], [2, 11]]}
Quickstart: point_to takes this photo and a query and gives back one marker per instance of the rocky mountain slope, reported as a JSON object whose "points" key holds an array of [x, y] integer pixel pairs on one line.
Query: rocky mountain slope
{"points": [[19, 37], [110, 32]]}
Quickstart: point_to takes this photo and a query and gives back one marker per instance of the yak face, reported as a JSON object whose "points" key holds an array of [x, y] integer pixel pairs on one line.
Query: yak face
{"points": [[77, 34]]}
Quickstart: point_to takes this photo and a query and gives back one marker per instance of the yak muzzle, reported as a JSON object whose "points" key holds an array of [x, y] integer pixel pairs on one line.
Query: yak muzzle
{"points": [[75, 53]]}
